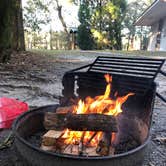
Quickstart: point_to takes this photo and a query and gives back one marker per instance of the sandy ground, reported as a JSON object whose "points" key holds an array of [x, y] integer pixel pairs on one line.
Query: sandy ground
{"points": [[36, 79]]}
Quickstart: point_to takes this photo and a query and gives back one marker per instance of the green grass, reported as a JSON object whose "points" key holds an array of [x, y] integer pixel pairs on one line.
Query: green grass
{"points": [[145, 53], [79, 52], [55, 52]]}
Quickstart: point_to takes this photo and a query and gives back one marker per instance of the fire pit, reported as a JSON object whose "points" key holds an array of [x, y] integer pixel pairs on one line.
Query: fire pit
{"points": [[126, 127]]}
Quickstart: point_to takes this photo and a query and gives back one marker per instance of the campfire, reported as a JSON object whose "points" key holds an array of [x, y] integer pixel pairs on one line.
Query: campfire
{"points": [[97, 121], [88, 128]]}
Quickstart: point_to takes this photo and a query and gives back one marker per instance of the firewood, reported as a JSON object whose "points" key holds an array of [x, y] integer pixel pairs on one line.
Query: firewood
{"points": [[48, 148], [75, 150], [58, 147], [91, 151], [80, 122], [81, 145], [64, 110], [50, 138], [71, 149], [103, 148], [91, 138]]}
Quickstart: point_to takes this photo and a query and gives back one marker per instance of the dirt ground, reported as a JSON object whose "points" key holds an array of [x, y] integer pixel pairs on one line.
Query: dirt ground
{"points": [[36, 79]]}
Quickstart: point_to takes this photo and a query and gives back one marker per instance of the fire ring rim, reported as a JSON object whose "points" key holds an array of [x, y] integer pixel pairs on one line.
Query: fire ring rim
{"points": [[29, 145]]}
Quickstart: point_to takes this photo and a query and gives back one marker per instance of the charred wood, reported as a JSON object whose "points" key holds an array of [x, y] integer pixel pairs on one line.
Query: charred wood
{"points": [[64, 110], [80, 122], [103, 148], [81, 145]]}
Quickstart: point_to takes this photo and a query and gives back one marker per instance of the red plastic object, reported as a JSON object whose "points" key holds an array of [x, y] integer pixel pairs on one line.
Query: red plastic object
{"points": [[9, 110]]}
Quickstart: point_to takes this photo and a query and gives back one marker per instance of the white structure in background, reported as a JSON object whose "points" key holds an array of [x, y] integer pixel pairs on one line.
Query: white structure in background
{"points": [[155, 16]]}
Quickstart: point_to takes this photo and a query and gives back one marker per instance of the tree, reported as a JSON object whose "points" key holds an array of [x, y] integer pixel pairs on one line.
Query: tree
{"points": [[18, 36], [11, 28], [59, 9], [36, 14], [134, 10], [116, 11], [105, 21], [84, 38], [6, 12]]}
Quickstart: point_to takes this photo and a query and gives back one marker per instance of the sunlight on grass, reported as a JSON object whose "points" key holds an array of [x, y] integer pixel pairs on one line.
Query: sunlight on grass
{"points": [[88, 53], [55, 52]]}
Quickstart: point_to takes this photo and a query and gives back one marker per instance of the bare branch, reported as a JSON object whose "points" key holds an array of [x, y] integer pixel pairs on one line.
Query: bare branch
{"points": [[59, 9]]}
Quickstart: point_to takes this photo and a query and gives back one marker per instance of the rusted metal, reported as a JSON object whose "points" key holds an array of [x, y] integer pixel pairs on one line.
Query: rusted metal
{"points": [[32, 121]]}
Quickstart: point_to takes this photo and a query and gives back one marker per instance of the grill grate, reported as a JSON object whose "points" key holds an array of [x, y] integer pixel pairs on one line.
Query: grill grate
{"points": [[130, 74], [139, 67]]}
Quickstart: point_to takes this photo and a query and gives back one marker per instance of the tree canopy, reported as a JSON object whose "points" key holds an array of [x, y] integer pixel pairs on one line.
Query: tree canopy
{"points": [[104, 19], [35, 15]]}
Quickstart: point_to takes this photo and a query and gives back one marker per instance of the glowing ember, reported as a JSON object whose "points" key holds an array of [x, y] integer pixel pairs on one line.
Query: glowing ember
{"points": [[100, 104]]}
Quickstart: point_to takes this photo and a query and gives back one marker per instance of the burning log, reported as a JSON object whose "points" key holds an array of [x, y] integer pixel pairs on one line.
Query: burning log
{"points": [[64, 110], [89, 141], [80, 122]]}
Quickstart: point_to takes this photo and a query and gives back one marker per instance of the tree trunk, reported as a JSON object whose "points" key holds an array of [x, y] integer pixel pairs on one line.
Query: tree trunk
{"points": [[118, 45], [51, 46], [6, 16], [11, 35], [18, 36], [15, 27], [21, 29], [59, 9], [132, 42], [128, 42]]}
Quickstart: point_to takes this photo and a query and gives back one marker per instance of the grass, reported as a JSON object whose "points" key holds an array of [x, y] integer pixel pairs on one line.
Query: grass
{"points": [[145, 53], [79, 52], [55, 52]]}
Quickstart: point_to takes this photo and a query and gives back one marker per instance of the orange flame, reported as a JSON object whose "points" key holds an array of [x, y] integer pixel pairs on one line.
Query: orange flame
{"points": [[102, 104]]}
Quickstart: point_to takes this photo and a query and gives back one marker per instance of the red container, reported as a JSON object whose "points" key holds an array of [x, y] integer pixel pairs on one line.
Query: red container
{"points": [[9, 110]]}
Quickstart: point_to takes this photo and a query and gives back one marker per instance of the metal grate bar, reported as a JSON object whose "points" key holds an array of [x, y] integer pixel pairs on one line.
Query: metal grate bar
{"points": [[163, 73], [131, 74], [130, 61], [127, 68], [82, 67], [121, 72], [149, 66], [131, 66], [130, 58]]}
